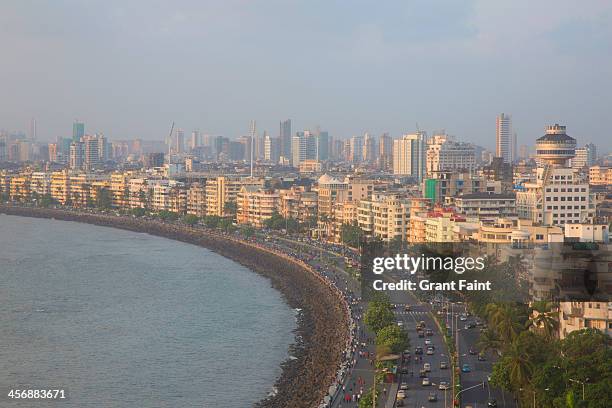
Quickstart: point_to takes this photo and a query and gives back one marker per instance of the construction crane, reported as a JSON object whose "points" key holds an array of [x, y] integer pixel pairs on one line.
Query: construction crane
{"points": [[169, 139]]}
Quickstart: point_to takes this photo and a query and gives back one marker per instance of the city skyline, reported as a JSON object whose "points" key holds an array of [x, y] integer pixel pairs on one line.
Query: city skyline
{"points": [[127, 81]]}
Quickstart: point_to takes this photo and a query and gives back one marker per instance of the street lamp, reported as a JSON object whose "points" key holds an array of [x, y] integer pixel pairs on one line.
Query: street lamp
{"points": [[469, 388], [580, 382]]}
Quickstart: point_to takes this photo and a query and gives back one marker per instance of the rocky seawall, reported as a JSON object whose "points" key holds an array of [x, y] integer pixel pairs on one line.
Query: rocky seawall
{"points": [[322, 332]]}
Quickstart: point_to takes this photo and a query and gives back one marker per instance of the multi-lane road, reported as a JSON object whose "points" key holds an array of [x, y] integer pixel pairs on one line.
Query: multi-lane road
{"points": [[417, 395]]}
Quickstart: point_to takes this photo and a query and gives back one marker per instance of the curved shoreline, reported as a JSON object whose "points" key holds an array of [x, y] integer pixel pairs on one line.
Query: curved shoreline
{"points": [[323, 327]]}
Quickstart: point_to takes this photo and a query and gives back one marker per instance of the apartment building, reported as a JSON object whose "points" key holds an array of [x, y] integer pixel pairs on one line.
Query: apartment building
{"points": [[445, 154], [196, 199], [224, 189], [485, 205], [255, 205], [385, 216], [40, 183], [20, 187], [60, 186], [331, 190], [557, 197], [298, 204], [600, 176], [169, 195]]}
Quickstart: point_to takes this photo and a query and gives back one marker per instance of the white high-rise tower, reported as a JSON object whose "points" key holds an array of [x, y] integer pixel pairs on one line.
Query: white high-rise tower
{"points": [[503, 138]]}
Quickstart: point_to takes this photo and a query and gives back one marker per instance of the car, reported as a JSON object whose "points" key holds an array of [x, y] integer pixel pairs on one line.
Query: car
{"points": [[418, 350], [401, 394], [432, 397], [482, 357], [421, 334], [399, 403], [404, 370], [400, 324], [492, 403], [422, 323], [407, 308], [473, 351], [463, 318], [466, 368], [428, 342], [422, 373], [443, 385], [443, 365], [429, 332], [426, 382], [404, 386], [427, 367], [430, 351], [471, 325]]}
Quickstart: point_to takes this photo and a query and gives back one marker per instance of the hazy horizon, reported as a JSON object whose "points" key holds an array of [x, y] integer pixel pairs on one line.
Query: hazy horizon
{"points": [[130, 70]]}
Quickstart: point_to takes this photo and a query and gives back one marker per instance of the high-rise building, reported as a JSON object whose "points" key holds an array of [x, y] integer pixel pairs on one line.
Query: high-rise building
{"points": [[78, 131], [585, 156], [33, 130], [369, 148], [271, 149], [76, 155], [503, 138], [558, 196], [303, 147], [322, 145], [356, 149], [285, 138], [196, 139], [446, 154], [409, 155], [385, 152], [178, 142]]}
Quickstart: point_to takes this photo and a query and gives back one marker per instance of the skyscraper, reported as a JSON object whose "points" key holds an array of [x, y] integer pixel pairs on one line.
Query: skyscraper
{"points": [[78, 130], [303, 147], [385, 151], [195, 140], [356, 149], [369, 148], [178, 144], [322, 145], [409, 155], [503, 138], [285, 138]]}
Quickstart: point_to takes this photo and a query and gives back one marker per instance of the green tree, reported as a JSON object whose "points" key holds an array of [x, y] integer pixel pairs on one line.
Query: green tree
{"points": [[104, 199], [168, 215], [226, 224], [351, 235], [190, 219], [378, 315], [138, 212], [230, 208], [212, 221], [394, 337], [247, 231]]}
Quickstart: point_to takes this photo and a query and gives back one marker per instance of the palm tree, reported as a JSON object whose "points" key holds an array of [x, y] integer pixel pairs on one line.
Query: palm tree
{"points": [[519, 366], [544, 319], [504, 319], [489, 341]]}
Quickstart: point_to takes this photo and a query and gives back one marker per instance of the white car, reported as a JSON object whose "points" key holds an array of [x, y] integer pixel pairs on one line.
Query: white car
{"points": [[404, 386], [426, 382], [428, 342], [427, 367], [443, 385], [401, 394]]}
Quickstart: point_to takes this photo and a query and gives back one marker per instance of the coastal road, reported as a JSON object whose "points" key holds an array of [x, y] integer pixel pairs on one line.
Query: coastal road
{"points": [[417, 394]]}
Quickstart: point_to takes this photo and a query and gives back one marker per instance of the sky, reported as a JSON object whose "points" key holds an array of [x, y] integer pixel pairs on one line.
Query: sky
{"points": [[129, 69]]}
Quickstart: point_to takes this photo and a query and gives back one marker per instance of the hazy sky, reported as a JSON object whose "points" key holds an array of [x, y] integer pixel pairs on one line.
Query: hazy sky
{"points": [[130, 68]]}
